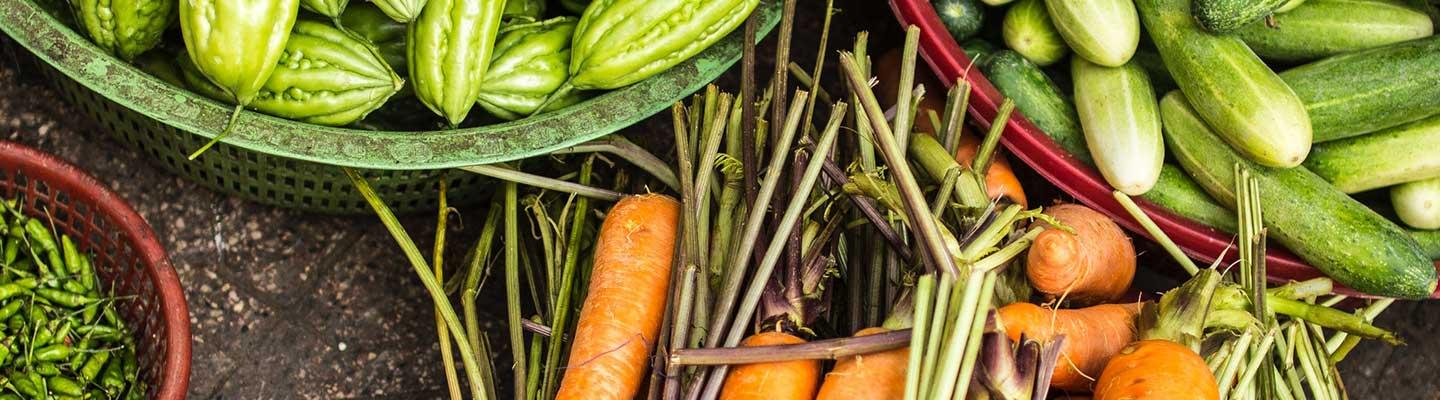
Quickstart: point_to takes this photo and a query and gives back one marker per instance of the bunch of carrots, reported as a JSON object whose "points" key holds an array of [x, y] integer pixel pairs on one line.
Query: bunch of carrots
{"points": [[856, 240]]}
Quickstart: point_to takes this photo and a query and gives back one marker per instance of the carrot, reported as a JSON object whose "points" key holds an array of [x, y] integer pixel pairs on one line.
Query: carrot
{"points": [[1093, 265], [621, 315], [999, 179], [1157, 369], [869, 376], [1092, 336], [785, 380]]}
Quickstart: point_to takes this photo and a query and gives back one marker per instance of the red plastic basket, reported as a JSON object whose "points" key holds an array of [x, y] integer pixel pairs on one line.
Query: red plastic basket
{"points": [[128, 258], [1056, 165]]}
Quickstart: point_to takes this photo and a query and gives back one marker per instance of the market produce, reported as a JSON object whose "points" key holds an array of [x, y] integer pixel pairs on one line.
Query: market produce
{"points": [[236, 44], [1156, 369], [449, 47], [1028, 31], [371, 24], [1362, 92], [328, 8], [1396, 155], [875, 376], [1250, 107], [1000, 180], [1105, 32], [1177, 192], [1224, 16], [784, 380], [531, 10], [125, 28], [1037, 97], [325, 76], [529, 64], [1089, 261], [61, 335], [1092, 336], [621, 42], [962, 18], [1323, 28], [1376, 256], [1418, 203], [402, 11], [620, 319], [1121, 120]]}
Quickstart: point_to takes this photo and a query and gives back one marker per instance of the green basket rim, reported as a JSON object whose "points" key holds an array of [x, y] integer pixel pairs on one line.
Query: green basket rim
{"points": [[49, 39]]}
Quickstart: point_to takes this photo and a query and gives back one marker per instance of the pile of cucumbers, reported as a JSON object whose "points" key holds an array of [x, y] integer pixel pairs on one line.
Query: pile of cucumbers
{"points": [[332, 62], [1326, 102]]}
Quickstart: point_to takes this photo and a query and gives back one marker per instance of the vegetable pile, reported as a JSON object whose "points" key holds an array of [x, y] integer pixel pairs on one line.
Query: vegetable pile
{"points": [[61, 337], [332, 63], [1322, 101]]}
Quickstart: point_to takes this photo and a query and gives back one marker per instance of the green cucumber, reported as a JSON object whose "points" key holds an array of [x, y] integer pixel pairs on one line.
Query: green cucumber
{"points": [[1418, 203], [1330, 230], [1429, 240], [1027, 30], [963, 18], [1106, 32], [1038, 99], [978, 50], [1397, 155], [1121, 123], [1357, 93], [1323, 28], [1222, 16], [1176, 192], [1236, 93]]}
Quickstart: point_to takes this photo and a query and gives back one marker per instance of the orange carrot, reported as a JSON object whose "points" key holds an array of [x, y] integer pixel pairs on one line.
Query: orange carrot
{"points": [[1092, 336], [999, 179], [1157, 369], [868, 376], [625, 305], [785, 380], [1095, 264]]}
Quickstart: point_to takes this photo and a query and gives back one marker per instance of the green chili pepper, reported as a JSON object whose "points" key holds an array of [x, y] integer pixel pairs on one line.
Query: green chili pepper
{"points": [[87, 272], [53, 352], [236, 44], [88, 314], [22, 268], [402, 11], [81, 355], [65, 298], [47, 369], [10, 309], [530, 63], [101, 331], [93, 366], [449, 49], [4, 354], [9, 396], [64, 330], [328, 8], [125, 28], [12, 289], [74, 286], [43, 336], [131, 365], [15, 323], [620, 42], [12, 251], [72, 254], [40, 236], [370, 23], [524, 9], [56, 264], [65, 386], [28, 384]]}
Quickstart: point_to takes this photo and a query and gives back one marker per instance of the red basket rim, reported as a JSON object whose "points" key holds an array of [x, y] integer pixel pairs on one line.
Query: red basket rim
{"points": [[70, 179], [1057, 166]]}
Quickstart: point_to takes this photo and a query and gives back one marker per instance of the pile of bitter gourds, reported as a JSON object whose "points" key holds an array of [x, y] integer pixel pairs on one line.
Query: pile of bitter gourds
{"points": [[332, 63]]}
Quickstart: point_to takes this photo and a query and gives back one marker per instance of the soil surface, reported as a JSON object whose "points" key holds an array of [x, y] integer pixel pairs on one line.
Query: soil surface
{"points": [[289, 305]]}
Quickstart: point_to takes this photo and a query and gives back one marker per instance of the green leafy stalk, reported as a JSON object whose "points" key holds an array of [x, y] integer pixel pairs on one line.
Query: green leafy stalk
{"points": [[561, 320], [447, 358], [512, 287], [474, 275], [437, 294], [924, 295]]}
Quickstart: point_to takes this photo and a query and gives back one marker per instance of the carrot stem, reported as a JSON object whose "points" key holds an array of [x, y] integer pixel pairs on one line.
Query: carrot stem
{"points": [[417, 261], [512, 287], [782, 231], [447, 357], [830, 349], [505, 173], [986, 154], [924, 295], [803, 78], [1262, 353], [679, 336], [977, 328], [1231, 365], [957, 101], [1155, 233], [940, 326]]}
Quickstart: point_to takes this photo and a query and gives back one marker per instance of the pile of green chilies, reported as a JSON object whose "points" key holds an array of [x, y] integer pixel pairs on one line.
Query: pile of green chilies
{"points": [[61, 338]]}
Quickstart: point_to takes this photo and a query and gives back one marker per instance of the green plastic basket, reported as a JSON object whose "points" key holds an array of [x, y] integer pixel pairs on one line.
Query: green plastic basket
{"points": [[296, 165]]}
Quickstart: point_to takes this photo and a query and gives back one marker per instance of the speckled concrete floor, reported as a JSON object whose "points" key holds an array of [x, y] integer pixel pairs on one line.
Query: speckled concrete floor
{"points": [[289, 305]]}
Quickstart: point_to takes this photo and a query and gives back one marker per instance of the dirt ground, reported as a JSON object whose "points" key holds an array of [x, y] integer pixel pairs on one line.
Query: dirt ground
{"points": [[289, 305]]}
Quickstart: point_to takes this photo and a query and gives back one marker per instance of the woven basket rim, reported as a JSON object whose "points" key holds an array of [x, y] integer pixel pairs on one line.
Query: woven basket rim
{"points": [[54, 43]]}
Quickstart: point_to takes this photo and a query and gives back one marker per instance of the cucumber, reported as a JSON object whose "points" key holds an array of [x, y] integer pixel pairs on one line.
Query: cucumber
{"points": [[1289, 5], [1176, 192], [1106, 32], [1038, 99], [963, 18], [1418, 203], [1155, 68], [1028, 31], [1357, 93], [1323, 28], [1429, 240], [978, 50], [1401, 154], [1121, 122], [1245, 102], [1333, 232], [1223, 16]]}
